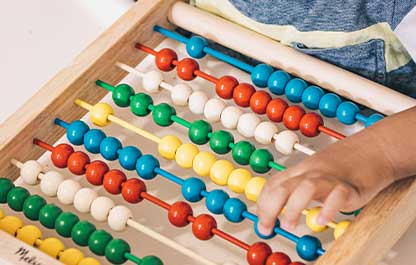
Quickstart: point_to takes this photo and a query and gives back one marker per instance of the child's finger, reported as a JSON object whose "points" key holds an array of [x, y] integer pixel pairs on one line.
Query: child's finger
{"points": [[333, 203]]}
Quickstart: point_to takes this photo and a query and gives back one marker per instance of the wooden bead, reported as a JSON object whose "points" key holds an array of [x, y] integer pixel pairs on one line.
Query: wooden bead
{"points": [[52, 247], [165, 58], [197, 101], [203, 162], [118, 217], [113, 180], [89, 261], [275, 109], [220, 172], [10, 224], [340, 228], [50, 183], [186, 154], [258, 253], [151, 81], [310, 123], [168, 146], [238, 179], [71, 256], [100, 208], [67, 190], [292, 117], [77, 162], [30, 171], [203, 225], [254, 187], [259, 101], [311, 220], [186, 69], [285, 142], [242, 94], [278, 258], [264, 132], [225, 86], [132, 190], [247, 124], [213, 109], [180, 94], [178, 214], [29, 234], [95, 172], [230, 116], [83, 199], [60, 155], [99, 114]]}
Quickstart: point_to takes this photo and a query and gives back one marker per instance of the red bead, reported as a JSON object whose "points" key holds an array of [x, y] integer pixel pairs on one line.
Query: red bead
{"points": [[77, 162], [242, 94], [178, 214], [95, 172], [113, 180], [259, 101], [258, 253], [164, 59], [309, 124], [132, 189], [60, 155], [203, 225], [278, 258], [297, 263], [186, 69], [225, 86], [292, 117], [275, 109]]}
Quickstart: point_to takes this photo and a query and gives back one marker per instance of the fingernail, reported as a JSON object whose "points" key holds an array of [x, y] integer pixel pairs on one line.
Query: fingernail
{"points": [[287, 225], [322, 220], [264, 230]]}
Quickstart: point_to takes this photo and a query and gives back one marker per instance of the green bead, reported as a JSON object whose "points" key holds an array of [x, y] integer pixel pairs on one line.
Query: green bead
{"points": [[151, 260], [32, 206], [121, 95], [115, 251], [357, 212], [220, 142], [48, 215], [259, 160], [98, 241], [199, 132], [162, 114], [16, 198], [81, 232], [5, 186], [242, 151], [65, 222], [140, 103]]}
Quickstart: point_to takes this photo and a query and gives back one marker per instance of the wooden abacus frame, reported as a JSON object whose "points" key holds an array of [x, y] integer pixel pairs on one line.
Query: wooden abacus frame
{"points": [[373, 232]]}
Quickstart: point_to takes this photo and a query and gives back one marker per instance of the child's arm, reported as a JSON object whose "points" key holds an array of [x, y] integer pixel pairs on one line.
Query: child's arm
{"points": [[345, 175]]}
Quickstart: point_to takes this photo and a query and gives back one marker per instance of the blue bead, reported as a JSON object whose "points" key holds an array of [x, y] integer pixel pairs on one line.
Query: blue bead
{"points": [[307, 247], [311, 97], [128, 157], [215, 201], [109, 148], [329, 104], [234, 209], [93, 139], [294, 89], [373, 119], [346, 112], [145, 166], [260, 74], [195, 47], [192, 189], [262, 236], [277, 82], [76, 131]]}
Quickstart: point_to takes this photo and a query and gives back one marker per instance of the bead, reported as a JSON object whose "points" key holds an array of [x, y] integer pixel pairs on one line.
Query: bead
{"points": [[259, 101], [195, 47], [60, 155], [151, 260], [276, 109], [118, 217], [65, 222], [242, 151], [264, 132], [128, 156], [71, 256], [294, 89], [311, 220], [238, 179], [186, 69], [346, 112], [225, 86], [52, 247], [164, 59], [83, 199], [162, 114], [30, 171], [297, 263], [93, 139], [89, 261], [278, 258], [77, 162], [100, 207], [50, 182], [16, 198], [213, 109], [197, 101], [109, 148], [230, 116], [292, 117], [186, 154], [258, 253], [203, 162], [247, 124], [234, 209], [2, 215], [260, 74], [285, 142], [328, 104], [32, 206], [10, 224], [310, 123], [254, 188], [113, 180], [168, 146], [151, 81], [260, 159], [146, 165], [340, 228], [220, 171], [199, 132], [81, 232], [140, 103], [132, 190], [67, 190], [48, 215], [307, 247], [277, 82], [95, 172], [99, 114], [192, 189], [373, 118], [5, 186], [215, 201], [98, 241], [29, 234], [121, 95], [311, 97], [75, 132], [242, 94], [115, 251], [178, 214], [220, 142], [203, 225], [180, 94]]}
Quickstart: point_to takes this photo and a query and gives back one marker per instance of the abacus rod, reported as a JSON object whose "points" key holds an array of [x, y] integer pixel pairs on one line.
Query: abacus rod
{"points": [[304, 149], [170, 34]]}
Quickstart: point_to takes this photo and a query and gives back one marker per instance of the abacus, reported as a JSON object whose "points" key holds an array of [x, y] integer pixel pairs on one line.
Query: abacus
{"points": [[193, 152]]}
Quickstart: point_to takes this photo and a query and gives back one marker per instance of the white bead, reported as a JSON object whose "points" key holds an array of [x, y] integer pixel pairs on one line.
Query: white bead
{"points": [[50, 183], [197, 101], [230, 116], [264, 132], [151, 81], [213, 109], [100, 208], [30, 171], [67, 190], [118, 217], [83, 199], [180, 94], [285, 141], [247, 124]]}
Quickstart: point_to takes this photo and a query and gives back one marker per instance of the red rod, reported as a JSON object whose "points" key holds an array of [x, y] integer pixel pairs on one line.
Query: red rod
{"points": [[155, 200], [331, 132], [145, 49], [206, 76], [43, 144], [231, 239]]}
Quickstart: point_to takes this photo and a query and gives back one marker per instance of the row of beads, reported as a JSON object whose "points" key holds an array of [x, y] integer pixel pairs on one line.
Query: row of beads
{"points": [[280, 82], [53, 247]]}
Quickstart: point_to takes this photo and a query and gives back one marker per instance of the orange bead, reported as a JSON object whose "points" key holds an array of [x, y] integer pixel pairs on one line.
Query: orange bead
{"points": [[242, 94], [178, 214], [225, 86], [165, 58], [203, 225], [309, 124], [258, 253], [77, 162], [60, 155], [186, 69], [278, 258], [132, 189], [113, 180], [297, 263], [259, 101], [292, 117], [95, 172], [275, 109]]}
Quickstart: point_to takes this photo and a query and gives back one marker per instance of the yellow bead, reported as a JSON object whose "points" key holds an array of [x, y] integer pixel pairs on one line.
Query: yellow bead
{"points": [[89, 261], [203, 163], [52, 246], [99, 114], [340, 228], [10, 224], [311, 218], [2, 215], [237, 181], [168, 145], [254, 187], [29, 234], [71, 256], [185, 155], [220, 171]]}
